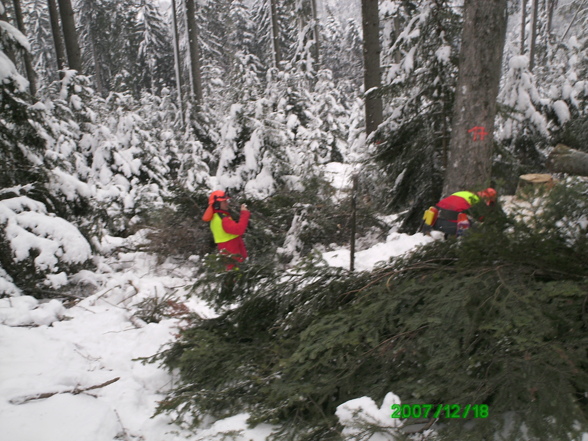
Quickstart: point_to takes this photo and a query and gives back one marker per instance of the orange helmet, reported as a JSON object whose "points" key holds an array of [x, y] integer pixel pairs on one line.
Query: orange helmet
{"points": [[215, 196], [489, 195]]}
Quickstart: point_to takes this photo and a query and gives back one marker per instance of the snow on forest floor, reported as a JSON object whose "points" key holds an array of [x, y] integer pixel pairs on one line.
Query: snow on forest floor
{"points": [[52, 355], [70, 373]]}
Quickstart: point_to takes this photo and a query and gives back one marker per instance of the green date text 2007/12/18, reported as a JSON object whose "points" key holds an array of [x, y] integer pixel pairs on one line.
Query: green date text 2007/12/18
{"points": [[439, 411]]}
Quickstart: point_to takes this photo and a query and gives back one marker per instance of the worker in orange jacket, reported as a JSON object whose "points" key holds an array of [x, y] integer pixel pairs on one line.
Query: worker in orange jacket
{"points": [[451, 215], [227, 233]]}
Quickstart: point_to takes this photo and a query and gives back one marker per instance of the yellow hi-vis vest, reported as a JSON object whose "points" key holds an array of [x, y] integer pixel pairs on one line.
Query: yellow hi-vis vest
{"points": [[219, 234], [472, 198]]}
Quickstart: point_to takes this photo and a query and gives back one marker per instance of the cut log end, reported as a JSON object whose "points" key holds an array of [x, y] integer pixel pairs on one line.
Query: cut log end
{"points": [[533, 183]]}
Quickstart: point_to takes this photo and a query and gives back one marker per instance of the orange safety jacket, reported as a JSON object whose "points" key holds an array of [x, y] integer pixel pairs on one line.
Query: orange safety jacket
{"points": [[228, 234], [460, 201]]}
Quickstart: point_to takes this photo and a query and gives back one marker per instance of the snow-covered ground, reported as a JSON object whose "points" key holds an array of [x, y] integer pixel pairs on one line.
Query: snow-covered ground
{"points": [[52, 355]]}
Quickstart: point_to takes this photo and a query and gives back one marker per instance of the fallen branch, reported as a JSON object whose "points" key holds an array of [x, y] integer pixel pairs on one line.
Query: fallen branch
{"points": [[76, 391]]}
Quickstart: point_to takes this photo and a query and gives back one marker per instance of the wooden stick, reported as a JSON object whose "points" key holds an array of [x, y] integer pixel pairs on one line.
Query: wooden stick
{"points": [[76, 391]]}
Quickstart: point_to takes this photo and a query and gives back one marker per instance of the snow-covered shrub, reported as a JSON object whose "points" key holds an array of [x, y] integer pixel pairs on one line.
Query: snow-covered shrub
{"points": [[38, 249], [27, 311], [363, 420]]}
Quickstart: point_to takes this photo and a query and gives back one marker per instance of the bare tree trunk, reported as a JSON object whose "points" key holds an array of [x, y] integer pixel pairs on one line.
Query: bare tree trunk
{"points": [[534, 21], [56, 32], [566, 160], [177, 60], [371, 64], [72, 46], [316, 33], [31, 76], [523, 25], [97, 66], [275, 35], [550, 10], [195, 72], [471, 145]]}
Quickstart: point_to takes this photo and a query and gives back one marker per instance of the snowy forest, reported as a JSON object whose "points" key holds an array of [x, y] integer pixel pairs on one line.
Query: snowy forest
{"points": [[338, 123]]}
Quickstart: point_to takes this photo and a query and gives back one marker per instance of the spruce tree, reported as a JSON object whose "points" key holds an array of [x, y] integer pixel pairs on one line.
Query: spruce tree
{"points": [[413, 142]]}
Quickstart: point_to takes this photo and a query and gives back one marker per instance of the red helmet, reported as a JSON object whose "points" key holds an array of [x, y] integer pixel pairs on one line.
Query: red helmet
{"points": [[489, 195], [217, 196]]}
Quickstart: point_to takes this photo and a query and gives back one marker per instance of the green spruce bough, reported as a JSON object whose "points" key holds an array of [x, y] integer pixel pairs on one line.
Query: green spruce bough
{"points": [[498, 318]]}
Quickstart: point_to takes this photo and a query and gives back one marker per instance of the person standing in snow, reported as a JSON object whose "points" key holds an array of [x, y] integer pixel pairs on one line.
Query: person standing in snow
{"points": [[227, 234], [452, 215]]}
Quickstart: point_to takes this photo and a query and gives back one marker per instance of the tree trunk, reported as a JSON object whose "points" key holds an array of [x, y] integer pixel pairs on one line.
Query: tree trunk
{"points": [[195, 73], [470, 148], [275, 35], [532, 44], [316, 33], [31, 76], [523, 25], [97, 66], [72, 46], [566, 160], [371, 64], [550, 10], [534, 183], [56, 32], [177, 60]]}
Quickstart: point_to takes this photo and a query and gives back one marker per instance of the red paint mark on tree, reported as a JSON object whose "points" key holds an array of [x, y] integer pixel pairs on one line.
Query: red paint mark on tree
{"points": [[478, 133]]}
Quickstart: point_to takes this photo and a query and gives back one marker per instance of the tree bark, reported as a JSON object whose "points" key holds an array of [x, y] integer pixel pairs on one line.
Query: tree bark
{"points": [[532, 44], [316, 33], [97, 65], [31, 76], [195, 71], [471, 145], [277, 52], [56, 32], [371, 64], [550, 10], [177, 60], [70, 36], [567, 160], [523, 25]]}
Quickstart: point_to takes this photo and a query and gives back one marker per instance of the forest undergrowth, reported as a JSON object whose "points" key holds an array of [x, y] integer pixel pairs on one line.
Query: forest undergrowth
{"points": [[499, 317]]}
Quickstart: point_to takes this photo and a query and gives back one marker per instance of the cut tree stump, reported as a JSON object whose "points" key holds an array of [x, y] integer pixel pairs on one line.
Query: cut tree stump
{"points": [[534, 182], [564, 159]]}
